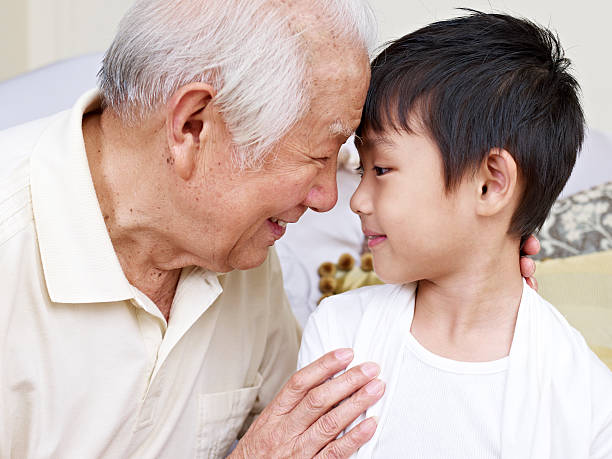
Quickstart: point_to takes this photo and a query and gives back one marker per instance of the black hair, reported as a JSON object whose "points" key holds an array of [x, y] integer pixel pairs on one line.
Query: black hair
{"points": [[480, 82]]}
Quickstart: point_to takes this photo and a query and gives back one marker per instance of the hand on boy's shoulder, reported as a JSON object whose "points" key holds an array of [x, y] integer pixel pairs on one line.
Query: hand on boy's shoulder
{"points": [[531, 247]]}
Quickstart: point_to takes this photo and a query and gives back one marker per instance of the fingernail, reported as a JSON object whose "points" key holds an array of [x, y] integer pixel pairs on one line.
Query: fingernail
{"points": [[370, 369], [343, 355], [374, 387]]}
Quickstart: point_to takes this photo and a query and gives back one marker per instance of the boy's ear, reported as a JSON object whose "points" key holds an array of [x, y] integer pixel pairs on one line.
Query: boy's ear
{"points": [[186, 120], [497, 179]]}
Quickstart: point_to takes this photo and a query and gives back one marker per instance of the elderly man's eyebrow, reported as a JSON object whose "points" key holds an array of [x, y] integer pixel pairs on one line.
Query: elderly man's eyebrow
{"points": [[340, 128]]}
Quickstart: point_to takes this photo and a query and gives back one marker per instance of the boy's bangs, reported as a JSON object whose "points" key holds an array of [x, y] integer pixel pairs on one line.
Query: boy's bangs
{"points": [[396, 103]]}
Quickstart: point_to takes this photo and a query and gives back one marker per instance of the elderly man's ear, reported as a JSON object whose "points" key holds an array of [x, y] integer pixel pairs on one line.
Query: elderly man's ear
{"points": [[188, 122], [497, 182]]}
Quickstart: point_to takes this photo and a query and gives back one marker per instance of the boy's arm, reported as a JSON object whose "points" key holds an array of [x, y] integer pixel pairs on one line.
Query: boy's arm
{"points": [[313, 343], [333, 325], [601, 400]]}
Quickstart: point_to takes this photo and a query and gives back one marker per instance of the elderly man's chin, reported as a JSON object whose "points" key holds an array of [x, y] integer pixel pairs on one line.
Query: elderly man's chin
{"points": [[248, 258], [248, 254], [245, 250]]}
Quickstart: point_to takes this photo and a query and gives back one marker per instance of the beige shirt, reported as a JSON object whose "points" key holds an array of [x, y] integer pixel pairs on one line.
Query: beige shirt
{"points": [[88, 365]]}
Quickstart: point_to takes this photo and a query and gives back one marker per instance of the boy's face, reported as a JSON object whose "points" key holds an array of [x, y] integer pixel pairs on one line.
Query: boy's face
{"points": [[415, 229]]}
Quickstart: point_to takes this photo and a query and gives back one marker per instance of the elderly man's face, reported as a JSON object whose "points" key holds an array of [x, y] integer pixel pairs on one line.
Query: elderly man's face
{"points": [[251, 208]]}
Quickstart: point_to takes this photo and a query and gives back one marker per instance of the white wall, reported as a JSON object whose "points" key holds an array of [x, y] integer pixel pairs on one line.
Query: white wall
{"points": [[13, 38], [59, 29], [36, 32], [583, 28]]}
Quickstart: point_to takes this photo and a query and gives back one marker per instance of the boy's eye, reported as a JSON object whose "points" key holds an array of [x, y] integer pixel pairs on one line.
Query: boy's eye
{"points": [[381, 170], [359, 170]]}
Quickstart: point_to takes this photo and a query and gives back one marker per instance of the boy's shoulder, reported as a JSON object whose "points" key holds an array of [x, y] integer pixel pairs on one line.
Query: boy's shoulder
{"points": [[557, 325], [343, 316], [352, 318], [566, 343], [356, 302]]}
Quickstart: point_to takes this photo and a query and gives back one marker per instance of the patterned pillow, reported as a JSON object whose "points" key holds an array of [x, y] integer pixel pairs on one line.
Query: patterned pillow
{"points": [[578, 224]]}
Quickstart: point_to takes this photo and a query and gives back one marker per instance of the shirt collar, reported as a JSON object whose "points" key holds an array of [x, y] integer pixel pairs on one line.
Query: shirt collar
{"points": [[78, 258]]}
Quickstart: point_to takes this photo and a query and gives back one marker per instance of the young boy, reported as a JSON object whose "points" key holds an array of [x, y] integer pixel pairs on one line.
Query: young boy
{"points": [[471, 126]]}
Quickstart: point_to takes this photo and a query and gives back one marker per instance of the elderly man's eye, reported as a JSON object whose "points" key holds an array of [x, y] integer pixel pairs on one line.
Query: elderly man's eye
{"points": [[381, 170]]}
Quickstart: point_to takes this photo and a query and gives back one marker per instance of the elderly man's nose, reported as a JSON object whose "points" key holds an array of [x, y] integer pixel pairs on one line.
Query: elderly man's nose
{"points": [[324, 194]]}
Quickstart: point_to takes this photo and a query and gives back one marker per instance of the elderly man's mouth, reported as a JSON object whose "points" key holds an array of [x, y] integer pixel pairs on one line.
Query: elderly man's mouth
{"points": [[278, 221], [277, 227]]}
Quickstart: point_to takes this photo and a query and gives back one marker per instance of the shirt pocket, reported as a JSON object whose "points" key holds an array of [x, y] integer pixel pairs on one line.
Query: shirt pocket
{"points": [[221, 415]]}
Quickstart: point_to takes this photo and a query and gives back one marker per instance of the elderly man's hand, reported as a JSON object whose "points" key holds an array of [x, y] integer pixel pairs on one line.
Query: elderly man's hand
{"points": [[306, 416], [531, 247]]}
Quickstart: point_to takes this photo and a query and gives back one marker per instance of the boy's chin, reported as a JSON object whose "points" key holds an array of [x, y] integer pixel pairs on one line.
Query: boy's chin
{"points": [[389, 276]]}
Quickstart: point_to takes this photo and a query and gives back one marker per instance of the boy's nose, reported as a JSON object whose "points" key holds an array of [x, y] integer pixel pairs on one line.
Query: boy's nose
{"points": [[360, 201]]}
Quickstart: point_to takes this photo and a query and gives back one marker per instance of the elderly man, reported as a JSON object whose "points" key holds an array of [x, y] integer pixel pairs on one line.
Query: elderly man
{"points": [[142, 312]]}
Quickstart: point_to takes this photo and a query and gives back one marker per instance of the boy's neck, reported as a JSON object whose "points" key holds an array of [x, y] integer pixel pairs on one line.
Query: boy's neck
{"points": [[471, 315]]}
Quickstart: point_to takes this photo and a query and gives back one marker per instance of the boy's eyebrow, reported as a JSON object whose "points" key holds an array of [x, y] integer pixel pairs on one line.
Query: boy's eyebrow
{"points": [[374, 141]]}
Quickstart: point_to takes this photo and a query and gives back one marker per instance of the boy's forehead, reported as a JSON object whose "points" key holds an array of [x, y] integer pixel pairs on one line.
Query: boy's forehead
{"points": [[372, 140]]}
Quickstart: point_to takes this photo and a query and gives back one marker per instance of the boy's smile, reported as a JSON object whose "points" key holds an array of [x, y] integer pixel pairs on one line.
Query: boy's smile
{"points": [[373, 238]]}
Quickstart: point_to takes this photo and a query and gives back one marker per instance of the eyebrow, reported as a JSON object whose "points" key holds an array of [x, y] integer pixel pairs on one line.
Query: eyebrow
{"points": [[373, 141], [339, 128]]}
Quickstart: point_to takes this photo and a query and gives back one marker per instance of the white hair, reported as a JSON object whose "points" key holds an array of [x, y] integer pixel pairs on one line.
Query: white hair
{"points": [[248, 50]]}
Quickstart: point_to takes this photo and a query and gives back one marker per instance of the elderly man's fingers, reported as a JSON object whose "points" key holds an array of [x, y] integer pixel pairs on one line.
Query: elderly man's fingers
{"points": [[327, 427], [321, 399], [527, 267], [533, 283], [348, 444], [531, 246], [292, 421], [309, 377]]}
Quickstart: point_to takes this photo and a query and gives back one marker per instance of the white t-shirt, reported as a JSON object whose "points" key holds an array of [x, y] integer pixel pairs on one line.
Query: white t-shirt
{"points": [[444, 408], [550, 398]]}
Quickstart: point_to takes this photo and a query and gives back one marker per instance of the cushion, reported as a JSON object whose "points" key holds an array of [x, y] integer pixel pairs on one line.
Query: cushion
{"points": [[593, 165], [47, 90], [580, 287], [579, 224]]}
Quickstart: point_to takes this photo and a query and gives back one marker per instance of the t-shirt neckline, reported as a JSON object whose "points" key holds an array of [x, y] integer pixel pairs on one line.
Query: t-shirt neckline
{"points": [[454, 366]]}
